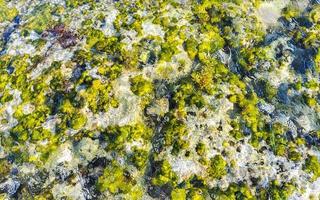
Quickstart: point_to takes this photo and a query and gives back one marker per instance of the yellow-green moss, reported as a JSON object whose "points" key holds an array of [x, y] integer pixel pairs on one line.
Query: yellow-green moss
{"points": [[312, 165], [141, 86], [218, 167], [7, 13]]}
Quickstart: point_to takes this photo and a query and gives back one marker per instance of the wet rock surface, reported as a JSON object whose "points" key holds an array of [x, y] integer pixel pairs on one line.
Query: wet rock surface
{"points": [[136, 99]]}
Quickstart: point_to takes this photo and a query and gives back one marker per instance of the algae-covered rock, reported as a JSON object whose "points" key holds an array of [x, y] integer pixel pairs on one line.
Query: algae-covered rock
{"points": [[159, 107], [7, 12], [170, 99], [40, 19]]}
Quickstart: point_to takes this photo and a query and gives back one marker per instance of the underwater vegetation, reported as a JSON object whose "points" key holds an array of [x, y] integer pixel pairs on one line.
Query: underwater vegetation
{"points": [[160, 99]]}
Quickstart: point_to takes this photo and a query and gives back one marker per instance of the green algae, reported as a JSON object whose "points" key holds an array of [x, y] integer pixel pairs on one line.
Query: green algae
{"points": [[313, 165], [7, 13], [178, 194], [115, 180], [165, 175], [77, 3], [141, 86], [217, 167], [41, 18]]}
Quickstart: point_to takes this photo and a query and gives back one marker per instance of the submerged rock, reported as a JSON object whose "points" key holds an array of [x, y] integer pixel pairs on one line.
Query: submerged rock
{"points": [[179, 99], [10, 186], [303, 60]]}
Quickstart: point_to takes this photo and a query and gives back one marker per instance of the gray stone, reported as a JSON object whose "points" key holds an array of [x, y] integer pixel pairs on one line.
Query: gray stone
{"points": [[10, 186]]}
